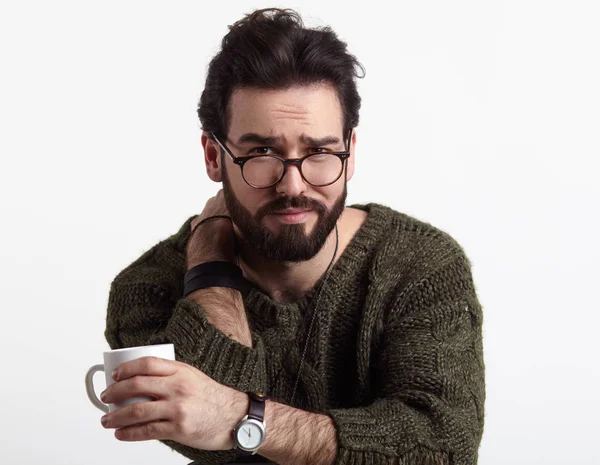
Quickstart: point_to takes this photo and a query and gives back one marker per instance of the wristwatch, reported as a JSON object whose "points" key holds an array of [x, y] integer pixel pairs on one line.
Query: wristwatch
{"points": [[250, 433]]}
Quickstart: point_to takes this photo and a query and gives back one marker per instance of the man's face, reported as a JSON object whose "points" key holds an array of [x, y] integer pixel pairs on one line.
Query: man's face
{"points": [[289, 116]]}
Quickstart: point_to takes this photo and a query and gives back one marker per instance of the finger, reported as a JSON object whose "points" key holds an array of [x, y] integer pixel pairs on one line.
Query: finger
{"points": [[152, 386], [138, 414], [153, 430], [150, 366]]}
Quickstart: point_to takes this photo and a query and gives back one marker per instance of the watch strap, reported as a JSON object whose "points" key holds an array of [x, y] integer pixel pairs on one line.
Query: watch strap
{"points": [[257, 406]]}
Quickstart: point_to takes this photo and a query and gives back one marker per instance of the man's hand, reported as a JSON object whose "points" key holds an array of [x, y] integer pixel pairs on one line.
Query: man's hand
{"points": [[213, 240], [190, 407]]}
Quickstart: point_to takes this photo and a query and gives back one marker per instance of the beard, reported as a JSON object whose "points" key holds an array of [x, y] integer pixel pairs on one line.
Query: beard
{"points": [[291, 244]]}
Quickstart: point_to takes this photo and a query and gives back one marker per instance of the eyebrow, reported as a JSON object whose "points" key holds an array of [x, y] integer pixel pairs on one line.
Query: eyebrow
{"points": [[313, 142]]}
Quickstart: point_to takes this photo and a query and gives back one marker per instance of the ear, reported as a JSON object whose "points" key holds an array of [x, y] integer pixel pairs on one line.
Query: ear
{"points": [[350, 160], [212, 158]]}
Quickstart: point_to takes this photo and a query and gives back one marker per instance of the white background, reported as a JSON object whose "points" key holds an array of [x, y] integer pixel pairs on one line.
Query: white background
{"points": [[478, 117]]}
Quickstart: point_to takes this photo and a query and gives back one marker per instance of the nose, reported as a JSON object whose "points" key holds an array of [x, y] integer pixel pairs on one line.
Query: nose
{"points": [[292, 183]]}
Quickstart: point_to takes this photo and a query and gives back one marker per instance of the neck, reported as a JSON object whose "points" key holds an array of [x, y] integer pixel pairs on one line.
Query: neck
{"points": [[288, 281]]}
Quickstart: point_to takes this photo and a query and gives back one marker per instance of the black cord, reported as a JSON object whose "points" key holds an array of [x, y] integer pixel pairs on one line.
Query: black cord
{"points": [[208, 219]]}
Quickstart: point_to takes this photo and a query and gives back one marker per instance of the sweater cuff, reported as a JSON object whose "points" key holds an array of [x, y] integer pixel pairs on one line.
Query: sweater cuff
{"points": [[352, 426], [361, 442], [416, 456], [199, 343]]}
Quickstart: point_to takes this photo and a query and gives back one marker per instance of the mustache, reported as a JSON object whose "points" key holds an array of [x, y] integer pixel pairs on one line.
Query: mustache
{"points": [[282, 203]]}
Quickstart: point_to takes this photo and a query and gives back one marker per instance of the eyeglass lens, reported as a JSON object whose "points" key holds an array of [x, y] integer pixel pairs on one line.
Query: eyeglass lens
{"points": [[319, 169]]}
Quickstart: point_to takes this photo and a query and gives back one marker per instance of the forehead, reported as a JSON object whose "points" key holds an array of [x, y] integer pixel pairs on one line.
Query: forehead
{"points": [[313, 110]]}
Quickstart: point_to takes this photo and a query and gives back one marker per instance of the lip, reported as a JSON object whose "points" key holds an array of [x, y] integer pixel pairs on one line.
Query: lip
{"points": [[292, 215], [291, 211]]}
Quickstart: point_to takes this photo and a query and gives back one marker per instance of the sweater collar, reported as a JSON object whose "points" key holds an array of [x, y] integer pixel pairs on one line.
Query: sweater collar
{"points": [[352, 260]]}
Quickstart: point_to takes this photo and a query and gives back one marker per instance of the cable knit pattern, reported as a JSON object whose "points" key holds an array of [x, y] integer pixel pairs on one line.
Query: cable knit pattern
{"points": [[395, 357]]}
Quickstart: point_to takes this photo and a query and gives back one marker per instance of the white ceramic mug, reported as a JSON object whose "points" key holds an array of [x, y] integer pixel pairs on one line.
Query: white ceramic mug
{"points": [[112, 359]]}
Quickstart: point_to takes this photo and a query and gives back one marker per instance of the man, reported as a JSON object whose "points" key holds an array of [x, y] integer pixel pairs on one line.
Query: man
{"points": [[360, 324]]}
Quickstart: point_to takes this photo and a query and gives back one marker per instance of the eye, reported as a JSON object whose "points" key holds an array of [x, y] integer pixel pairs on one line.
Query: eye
{"points": [[319, 150], [259, 151]]}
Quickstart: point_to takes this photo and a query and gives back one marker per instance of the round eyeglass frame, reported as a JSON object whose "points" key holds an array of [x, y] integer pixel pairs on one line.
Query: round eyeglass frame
{"points": [[241, 161]]}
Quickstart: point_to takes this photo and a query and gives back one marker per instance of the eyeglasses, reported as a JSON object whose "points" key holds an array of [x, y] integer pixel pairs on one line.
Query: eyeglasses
{"points": [[318, 169]]}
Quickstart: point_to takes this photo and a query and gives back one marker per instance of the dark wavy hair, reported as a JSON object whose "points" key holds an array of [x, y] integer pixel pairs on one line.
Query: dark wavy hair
{"points": [[272, 49]]}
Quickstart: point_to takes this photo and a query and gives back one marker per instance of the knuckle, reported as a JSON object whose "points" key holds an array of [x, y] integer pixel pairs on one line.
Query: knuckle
{"points": [[137, 383], [187, 428], [183, 422], [179, 430], [153, 429], [138, 410], [179, 411], [148, 363], [180, 427], [151, 384], [180, 389]]}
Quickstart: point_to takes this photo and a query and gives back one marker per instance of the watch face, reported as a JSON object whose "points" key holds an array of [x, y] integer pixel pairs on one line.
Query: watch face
{"points": [[249, 435]]}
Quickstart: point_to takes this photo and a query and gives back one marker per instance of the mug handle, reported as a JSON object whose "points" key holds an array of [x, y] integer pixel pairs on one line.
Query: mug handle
{"points": [[89, 387]]}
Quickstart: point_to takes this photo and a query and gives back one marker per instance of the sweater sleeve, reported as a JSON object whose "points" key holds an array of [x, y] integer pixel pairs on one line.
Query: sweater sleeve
{"points": [[428, 406], [146, 307]]}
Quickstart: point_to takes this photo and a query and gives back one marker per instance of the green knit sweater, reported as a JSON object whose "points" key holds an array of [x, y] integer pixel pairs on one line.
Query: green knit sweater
{"points": [[395, 357]]}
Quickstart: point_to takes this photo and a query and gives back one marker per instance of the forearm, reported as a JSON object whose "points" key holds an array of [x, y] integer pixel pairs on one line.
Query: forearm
{"points": [[145, 307], [224, 309], [297, 437]]}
